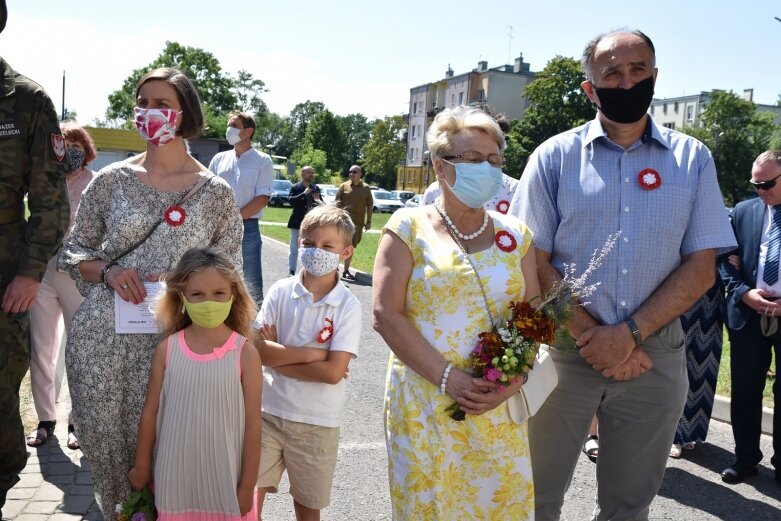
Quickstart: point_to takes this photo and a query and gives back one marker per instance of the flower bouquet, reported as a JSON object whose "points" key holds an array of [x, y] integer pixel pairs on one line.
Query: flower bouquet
{"points": [[140, 506], [508, 351]]}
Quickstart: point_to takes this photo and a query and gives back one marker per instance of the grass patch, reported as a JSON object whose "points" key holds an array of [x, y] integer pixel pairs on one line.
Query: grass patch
{"points": [[363, 259], [281, 215], [723, 386]]}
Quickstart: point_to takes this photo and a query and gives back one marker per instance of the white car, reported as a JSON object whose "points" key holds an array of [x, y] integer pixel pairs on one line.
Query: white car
{"points": [[403, 195], [414, 201], [385, 202], [328, 194]]}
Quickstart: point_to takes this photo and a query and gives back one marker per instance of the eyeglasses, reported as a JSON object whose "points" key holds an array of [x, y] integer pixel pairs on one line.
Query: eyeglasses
{"points": [[765, 185], [470, 156]]}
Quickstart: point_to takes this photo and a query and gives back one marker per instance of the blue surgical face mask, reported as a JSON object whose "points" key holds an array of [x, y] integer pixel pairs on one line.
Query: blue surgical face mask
{"points": [[476, 183]]}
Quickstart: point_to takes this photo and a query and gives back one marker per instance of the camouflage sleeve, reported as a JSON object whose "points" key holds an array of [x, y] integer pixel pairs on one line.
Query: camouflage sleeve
{"points": [[47, 196]]}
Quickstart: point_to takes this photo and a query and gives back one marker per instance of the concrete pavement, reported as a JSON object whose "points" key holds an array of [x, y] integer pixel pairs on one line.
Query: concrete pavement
{"points": [[56, 484]]}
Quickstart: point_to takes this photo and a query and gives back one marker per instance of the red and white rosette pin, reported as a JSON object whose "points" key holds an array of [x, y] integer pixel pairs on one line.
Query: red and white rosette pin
{"points": [[327, 332], [505, 241], [175, 216], [503, 206], [649, 179]]}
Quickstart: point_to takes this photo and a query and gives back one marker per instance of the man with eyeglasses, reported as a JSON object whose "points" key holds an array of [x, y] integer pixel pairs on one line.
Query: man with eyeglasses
{"points": [[620, 172], [356, 198], [752, 314]]}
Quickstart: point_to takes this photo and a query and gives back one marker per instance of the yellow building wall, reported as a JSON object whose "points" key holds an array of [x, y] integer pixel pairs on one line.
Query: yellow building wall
{"points": [[413, 178], [116, 139]]}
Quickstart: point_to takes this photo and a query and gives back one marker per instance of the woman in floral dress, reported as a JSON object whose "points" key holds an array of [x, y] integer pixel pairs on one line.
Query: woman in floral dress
{"points": [[430, 308], [108, 372]]}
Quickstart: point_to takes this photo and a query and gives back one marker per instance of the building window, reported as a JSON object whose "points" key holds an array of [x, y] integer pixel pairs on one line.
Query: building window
{"points": [[410, 176], [652, 109], [690, 113], [414, 127], [452, 99], [411, 150], [664, 110], [414, 108], [481, 94], [675, 107], [670, 125], [460, 98]]}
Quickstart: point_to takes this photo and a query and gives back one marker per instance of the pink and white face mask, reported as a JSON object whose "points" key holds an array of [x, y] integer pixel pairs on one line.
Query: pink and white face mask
{"points": [[158, 126]]}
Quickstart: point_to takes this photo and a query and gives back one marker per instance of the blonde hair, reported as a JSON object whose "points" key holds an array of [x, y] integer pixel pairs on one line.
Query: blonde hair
{"points": [[330, 216], [450, 122], [170, 307]]}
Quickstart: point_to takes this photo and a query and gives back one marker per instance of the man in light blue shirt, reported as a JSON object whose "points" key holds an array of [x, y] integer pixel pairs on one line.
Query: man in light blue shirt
{"points": [[620, 172], [250, 173]]}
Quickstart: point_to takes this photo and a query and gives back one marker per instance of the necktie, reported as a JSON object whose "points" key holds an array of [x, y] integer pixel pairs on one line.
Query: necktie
{"points": [[770, 275]]}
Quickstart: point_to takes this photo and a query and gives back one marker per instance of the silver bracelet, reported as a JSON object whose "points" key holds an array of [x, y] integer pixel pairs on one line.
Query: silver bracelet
{"points": [[445, 375]]}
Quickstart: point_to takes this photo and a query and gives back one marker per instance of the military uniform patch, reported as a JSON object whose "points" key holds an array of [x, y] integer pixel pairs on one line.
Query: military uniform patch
{"points": [[58, 145]]}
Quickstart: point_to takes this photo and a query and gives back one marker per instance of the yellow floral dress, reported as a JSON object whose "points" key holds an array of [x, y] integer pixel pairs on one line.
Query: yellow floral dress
{"points": [[441, 469]]}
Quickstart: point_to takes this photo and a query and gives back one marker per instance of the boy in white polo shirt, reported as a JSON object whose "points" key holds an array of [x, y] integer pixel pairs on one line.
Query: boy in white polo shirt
{"points": [[308, 331]]}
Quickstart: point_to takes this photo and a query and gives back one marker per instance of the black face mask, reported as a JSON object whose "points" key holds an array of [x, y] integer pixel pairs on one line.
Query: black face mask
{"points": [[626, 105]]}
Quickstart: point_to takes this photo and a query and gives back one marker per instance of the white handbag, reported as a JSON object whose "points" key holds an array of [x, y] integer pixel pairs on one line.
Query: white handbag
{"points": [[542, 380]]}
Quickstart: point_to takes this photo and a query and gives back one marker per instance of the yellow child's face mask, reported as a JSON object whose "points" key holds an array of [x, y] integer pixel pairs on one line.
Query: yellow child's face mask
{"points": [[208, 314]]}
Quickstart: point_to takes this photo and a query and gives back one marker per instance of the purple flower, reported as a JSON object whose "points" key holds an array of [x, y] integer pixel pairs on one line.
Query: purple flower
{"points": [[139, 516], [492, 374]]}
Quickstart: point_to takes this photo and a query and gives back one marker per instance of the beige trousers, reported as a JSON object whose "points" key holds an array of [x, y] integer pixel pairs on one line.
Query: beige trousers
{"points": [[50, 319]]}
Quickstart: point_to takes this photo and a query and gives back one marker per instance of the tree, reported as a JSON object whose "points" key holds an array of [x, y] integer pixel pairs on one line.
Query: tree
{"points": [[296, 123], [736, 134], [247, 91], [324, 133], [557, 103], [268, 131], [384, 150], [317, 159], [356, 129], [219, 92]]}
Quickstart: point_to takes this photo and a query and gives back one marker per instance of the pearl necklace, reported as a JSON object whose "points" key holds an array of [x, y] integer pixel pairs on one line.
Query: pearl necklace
{"points": [[455, 230]]}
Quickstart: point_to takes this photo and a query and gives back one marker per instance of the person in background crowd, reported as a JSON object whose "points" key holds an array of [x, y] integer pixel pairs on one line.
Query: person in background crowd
{"points": [[250, 174], [303, 195], [658, 187], [58, 298], [753, 288], [355, 197], [135, 221], [32, 164]]}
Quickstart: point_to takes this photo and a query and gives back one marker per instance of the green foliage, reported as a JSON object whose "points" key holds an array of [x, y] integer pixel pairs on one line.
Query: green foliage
{"points": [[356, 129], [736, 134], [557, 103], [268, 130], [219, 92], [294, 128], [384, 150], [324, 133], [317, 159]]}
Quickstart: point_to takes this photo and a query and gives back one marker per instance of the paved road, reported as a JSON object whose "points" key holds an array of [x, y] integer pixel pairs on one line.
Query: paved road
{"points": [[692, 490]]}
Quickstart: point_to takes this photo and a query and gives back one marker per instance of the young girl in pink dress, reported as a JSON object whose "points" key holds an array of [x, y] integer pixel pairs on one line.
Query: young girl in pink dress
{"points": [[201, 417]]}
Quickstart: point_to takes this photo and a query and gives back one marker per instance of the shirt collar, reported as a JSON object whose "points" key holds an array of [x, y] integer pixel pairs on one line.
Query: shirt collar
{"points": [[333, 298], [595, 130], [7, 83]]}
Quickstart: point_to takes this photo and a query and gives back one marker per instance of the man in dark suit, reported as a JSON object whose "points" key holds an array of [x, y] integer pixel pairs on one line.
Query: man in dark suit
{"points": [[752, 307]]}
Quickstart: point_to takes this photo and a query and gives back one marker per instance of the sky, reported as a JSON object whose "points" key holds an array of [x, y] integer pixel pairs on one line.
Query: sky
{"points": [[364, 56]]}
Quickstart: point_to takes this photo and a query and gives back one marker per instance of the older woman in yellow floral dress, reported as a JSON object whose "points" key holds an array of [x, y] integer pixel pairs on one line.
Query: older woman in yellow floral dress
{"points": [[430, 307]]}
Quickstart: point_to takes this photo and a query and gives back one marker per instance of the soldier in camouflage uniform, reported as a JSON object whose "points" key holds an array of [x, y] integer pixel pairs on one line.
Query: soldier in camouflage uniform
{"points": [[32, 163]]}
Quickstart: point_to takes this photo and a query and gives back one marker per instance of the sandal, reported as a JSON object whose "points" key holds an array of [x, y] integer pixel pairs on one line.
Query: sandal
{"points": [[38, 438], [591, 447], [675, 450], [73, 441], [348, 276]]}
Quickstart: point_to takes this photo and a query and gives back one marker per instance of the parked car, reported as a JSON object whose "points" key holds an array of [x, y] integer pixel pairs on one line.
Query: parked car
{"points": [[414, 201], [385, 202], [403, 195], [280, 193], [328, 194]]}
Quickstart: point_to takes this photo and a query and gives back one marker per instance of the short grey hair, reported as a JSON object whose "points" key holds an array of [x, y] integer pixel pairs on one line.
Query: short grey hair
{"points": [[768, 156], [450, 122], [587, 60]]}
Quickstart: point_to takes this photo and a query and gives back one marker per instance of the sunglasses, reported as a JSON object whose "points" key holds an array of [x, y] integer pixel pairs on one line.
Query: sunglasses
{"points": [[765, 185]]}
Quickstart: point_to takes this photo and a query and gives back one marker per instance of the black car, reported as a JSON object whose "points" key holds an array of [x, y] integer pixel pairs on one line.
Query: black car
{"points": [[280, 193]]}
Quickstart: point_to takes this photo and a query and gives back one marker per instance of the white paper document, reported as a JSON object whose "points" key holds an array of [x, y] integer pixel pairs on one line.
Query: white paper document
{"points": [[137, 318]]}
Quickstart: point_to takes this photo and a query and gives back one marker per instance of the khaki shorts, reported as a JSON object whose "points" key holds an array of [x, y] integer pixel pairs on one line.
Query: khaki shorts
{"points": [[308, 452], [357, 235]]}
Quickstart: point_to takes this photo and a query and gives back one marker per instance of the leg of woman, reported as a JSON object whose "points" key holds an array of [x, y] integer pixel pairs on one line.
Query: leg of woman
{"points": [[45, 335], [70, 300], [108, 376]]}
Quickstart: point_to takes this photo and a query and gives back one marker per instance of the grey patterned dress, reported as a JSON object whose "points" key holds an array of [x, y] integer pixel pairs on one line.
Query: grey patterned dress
{"points": [[108, 373]]}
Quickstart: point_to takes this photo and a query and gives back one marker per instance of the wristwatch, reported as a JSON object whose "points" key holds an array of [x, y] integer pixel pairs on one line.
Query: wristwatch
{"points": [[104, 271], [634, 329]]}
